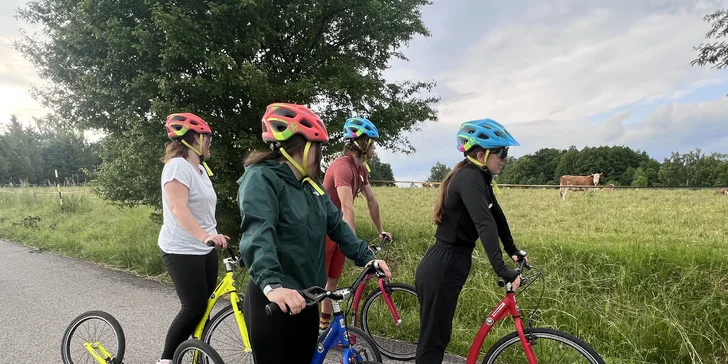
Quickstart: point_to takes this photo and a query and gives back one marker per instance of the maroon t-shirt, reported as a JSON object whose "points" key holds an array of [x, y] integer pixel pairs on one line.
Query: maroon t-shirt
{"points": [[343, 172]]}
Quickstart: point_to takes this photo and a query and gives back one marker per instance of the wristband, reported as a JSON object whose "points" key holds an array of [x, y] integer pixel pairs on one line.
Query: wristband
{"points": [[271, 287]]}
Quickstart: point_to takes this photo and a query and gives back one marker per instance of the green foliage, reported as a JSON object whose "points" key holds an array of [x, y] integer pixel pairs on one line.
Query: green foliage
{"points": [[640, 181], [438, 172], [380, 171], [714, 53], [620, 165], [121, 67], [30, 155]]}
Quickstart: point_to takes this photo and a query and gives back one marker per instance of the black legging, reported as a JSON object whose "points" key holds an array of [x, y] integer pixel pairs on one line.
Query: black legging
{"points": [[195, 278], [280, 338], [439, 279]]}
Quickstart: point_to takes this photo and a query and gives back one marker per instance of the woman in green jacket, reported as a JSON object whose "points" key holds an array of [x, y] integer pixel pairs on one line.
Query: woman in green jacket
{"points": [[285, 219]]}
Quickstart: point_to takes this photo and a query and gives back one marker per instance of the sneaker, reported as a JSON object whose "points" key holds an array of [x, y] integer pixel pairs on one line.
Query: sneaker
{"points": [[164, 361]]}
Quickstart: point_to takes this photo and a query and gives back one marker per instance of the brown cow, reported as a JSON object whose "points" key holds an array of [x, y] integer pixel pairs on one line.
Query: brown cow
{"points": [[590, 180], [722, 191], [429, 185]]}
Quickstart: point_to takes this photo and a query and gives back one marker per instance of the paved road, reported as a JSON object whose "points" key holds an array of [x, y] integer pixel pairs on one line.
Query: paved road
{"points": [[40, 293]]}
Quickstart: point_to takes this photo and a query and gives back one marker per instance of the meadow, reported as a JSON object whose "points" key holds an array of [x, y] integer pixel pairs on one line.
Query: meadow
{"points": [[641, 275]]}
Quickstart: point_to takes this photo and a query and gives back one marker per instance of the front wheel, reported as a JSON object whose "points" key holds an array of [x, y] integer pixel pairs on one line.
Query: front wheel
{"points": [[362, 345], [196, 351], [549, 346], [93, 337], [396, 340]]}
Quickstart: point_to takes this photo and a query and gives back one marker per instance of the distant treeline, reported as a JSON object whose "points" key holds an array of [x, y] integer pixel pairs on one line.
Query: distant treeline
{"points": [[621, 166], [30, 155]]}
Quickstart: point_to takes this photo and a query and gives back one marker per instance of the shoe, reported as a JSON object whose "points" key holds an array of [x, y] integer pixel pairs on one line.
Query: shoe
{"points": [[164, 361]]}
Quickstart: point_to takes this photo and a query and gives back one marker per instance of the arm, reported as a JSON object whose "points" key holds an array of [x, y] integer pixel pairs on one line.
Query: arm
{"points": [[355, 249], [473, 193], [504, 232], [347, 206], [258, 202], [373, 206], [177, 195]]}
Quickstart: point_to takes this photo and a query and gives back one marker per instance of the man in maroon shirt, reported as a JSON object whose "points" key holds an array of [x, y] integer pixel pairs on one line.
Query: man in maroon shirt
{"points": [[344, 180]]}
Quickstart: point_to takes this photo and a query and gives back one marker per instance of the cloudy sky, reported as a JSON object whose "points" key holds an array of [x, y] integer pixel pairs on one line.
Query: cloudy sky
{"points": [[555, 73]]}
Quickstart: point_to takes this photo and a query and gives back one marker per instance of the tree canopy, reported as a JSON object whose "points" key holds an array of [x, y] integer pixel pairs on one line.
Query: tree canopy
{"points": [[122, 66]]}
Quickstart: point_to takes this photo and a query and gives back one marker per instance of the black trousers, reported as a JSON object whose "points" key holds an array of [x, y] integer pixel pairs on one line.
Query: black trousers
{"points": [[195, 278], [439, 279], [279, 338]]}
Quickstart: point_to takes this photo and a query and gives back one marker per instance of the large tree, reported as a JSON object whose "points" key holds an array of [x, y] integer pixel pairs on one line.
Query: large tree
{"points": [[438, 172], [714, 53], [122, 66]]}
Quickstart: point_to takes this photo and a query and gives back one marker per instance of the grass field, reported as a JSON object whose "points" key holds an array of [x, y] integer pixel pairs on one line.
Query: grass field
{"points": [[641, 275]]}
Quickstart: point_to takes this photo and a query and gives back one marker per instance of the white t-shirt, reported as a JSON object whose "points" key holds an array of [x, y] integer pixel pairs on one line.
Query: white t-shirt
{"points": [[173, 238]]}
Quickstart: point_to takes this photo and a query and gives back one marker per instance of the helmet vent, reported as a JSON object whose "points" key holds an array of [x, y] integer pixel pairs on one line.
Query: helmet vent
{"points": [[483, 136], [179, 118], [499, 133], [306, 123], [285, 112], [278, 126]]}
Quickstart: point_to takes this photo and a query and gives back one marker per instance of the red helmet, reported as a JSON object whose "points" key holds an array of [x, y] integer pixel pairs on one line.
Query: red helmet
{"points": [[179, 124], [281, 121]]}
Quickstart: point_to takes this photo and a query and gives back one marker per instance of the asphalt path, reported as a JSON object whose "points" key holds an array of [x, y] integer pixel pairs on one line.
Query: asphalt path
{"points": [[41, 293]]}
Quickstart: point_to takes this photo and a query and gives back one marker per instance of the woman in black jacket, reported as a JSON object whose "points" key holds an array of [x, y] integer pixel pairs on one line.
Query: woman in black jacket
{"points": [[465, 210]]}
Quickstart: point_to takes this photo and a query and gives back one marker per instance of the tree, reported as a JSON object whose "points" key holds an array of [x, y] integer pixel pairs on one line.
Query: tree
{"points": [[31, 154], [715, 53], [380, 171], [438, 172], [121, 67]]}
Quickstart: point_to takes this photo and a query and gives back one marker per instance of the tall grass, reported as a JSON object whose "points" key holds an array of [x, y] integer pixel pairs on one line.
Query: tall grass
{"points": [[640, 275]]}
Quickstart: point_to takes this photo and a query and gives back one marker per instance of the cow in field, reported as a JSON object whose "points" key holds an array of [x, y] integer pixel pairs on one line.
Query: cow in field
{"points": [[429, 185], [722, 191], [609, 187], [565, 181]]}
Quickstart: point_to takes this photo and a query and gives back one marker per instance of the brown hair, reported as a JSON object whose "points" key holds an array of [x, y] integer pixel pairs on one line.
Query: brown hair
{"points": [[352, 147], [176, 149], [294, 145], [440, 204]]}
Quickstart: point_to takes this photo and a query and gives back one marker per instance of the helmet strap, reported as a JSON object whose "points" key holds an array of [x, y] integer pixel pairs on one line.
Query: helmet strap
{"points": [[303, 170], [496, 190], [199, 153]]}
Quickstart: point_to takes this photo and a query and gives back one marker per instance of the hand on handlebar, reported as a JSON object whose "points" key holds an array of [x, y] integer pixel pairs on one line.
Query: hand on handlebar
{"points": [[217, 240], [287, 298], [378, 263], [516, 283], [385, 235]]}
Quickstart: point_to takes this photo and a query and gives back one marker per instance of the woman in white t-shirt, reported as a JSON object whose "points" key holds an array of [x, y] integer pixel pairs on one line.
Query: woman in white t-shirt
{"points": [[188, 203]]}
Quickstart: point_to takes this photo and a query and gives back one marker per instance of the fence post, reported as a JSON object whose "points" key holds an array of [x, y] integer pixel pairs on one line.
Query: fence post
{"points": [[58, 184]]}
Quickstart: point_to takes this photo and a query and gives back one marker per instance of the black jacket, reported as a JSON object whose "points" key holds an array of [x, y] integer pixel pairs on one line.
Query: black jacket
{"points": [[471, 211]]}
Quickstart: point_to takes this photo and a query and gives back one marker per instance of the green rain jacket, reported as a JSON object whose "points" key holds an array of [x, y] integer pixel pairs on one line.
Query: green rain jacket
{"points": [[284, 228]]}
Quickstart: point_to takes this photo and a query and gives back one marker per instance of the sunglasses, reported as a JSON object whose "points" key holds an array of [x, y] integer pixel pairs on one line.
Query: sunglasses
{"points": [[501, 152]]}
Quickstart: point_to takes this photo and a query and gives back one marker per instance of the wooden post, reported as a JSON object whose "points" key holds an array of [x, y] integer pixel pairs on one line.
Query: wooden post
{"points": [[60, 197]]}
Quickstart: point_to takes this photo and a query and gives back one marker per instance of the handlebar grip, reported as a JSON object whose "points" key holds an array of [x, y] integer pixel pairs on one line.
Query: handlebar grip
{"points": [[272, 308], [210, 243]]}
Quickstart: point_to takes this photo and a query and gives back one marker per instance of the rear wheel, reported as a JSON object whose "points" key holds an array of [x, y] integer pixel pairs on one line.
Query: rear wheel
{"points": [[95, 330], [549, 346], [223, 334], [193, 351], [395, 340]]}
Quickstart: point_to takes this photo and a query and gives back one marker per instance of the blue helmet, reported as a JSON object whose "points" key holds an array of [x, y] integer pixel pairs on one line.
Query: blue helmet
{"points": [[356, 127], [486, 133]]}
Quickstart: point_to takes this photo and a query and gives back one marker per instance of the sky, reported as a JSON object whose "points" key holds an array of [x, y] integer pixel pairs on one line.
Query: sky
{"points": [[555, 73]]}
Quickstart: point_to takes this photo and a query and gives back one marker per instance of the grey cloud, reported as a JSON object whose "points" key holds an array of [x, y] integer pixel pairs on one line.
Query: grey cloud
{"points": [[674, 127]]}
